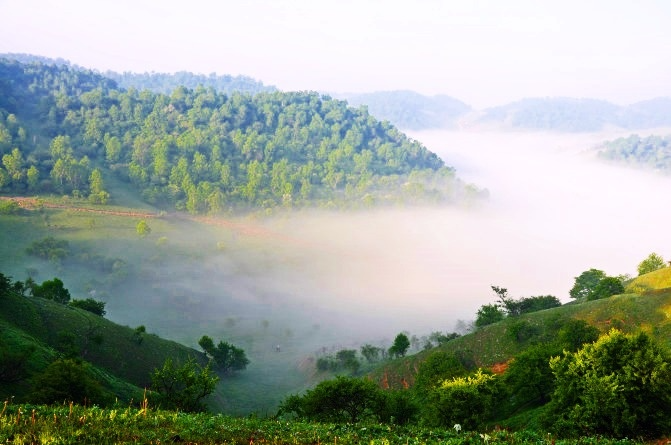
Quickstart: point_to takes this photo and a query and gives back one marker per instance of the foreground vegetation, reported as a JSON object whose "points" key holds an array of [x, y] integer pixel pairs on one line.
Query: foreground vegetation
{"points": [[72, 424]]}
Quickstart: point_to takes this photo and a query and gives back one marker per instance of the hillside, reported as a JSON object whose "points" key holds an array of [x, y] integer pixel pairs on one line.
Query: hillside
{"points": [[411, 111], [66, 130], [495, 345], [651, 152], [41, 331]]}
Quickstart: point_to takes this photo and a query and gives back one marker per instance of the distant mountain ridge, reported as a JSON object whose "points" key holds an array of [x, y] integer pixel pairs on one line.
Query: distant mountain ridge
{"points": [[410, 110]]}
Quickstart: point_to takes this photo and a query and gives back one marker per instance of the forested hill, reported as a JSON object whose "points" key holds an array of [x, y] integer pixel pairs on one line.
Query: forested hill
{"points": [[161, 82], [653, 152], [167, 82], [64, 130], [412, 111]]}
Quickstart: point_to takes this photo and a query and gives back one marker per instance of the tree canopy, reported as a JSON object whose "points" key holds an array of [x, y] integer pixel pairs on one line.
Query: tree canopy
{"points": [[202, 150]]}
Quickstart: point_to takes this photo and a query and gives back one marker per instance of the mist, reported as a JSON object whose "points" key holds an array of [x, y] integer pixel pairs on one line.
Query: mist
{"points": [[554, 211]]}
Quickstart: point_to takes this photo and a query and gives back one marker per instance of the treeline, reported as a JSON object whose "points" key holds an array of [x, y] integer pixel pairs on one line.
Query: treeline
{"points": [[651, 152], [62, 130]]}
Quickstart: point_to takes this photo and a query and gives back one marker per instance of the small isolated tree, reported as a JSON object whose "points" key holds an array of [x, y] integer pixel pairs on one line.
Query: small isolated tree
{"points": [[488, 314], [183, 387], [400, 346], [90, 305], [619, 386], [652, 263], [142, 228], [52, 290], [226, 357], [585, 283]]}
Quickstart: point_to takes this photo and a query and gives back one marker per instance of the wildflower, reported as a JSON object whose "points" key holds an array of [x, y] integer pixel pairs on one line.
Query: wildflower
{"points": [[457, 428]]}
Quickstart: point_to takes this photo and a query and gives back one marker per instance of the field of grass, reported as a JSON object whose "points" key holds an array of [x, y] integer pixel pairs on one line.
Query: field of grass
{"points": [[659, 279], [25, 424]]}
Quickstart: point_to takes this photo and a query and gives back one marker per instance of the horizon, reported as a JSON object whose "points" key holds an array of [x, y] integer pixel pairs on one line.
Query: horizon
{"points": [[483, 53]]}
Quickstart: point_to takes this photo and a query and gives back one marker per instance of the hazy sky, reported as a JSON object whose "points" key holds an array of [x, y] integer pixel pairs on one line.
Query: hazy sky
{"points": [[484, 52]]}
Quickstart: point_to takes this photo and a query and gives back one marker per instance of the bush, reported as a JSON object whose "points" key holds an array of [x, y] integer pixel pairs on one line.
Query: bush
{"points": [[183, 387], [468, 401], [343, 399], [90, 305], [618, 386], [67, 380]]}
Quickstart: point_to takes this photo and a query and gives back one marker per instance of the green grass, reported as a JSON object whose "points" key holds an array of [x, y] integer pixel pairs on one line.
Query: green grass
{"points": [[659, 279], [24, 424], [493, 344]]}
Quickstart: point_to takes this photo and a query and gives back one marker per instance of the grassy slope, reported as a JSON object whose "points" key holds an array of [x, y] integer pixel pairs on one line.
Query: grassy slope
{"points": [[659, 279], [493, 344], [35, 323]]}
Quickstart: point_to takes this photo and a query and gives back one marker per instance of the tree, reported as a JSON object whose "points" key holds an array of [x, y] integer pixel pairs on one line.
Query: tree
{"points": [[438, 366], [529, 377], [67, 380], [488, 314], [573, 334], [142, 228], [371, 353], [227, 357], [183, 387], [468, 401], [585, 283], [607, 287], [618, 386], [343, 399], [652, 263], [52, 290], [97, 194], [400, 346], [90, 305]]}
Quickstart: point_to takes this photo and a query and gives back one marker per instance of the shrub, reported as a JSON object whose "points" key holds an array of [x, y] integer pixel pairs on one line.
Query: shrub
{"points": [[618, 386]]}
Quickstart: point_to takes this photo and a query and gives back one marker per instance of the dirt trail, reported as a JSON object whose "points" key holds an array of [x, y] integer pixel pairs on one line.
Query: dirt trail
{"points": [[245, 229]]}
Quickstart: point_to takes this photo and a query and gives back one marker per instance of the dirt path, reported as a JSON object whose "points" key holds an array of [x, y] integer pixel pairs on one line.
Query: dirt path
{"points": [[245, 229]]}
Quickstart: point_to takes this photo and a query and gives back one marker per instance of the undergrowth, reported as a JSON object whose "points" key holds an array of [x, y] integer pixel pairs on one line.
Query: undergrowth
{"points": [[73, 424]]}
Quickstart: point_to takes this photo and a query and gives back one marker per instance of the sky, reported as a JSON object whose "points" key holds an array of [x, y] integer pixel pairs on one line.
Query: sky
{"points": [[483, 52]]}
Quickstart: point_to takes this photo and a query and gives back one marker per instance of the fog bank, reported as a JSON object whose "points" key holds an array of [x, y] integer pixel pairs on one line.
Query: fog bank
{"points": [[554, 212]]}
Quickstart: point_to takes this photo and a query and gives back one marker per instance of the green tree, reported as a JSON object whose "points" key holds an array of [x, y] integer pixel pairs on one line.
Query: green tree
{"points": [[183, 387], [142, 228], [343, 399], [488, 314], [607, 287], [52, 290], [529, 378], [652, 263], [371, 353], [400, 345], [67, 380], [468, 401], [90, 305], [585, 283], [97, 194], [619, 386], [437, 367], [227, 357], [573, 334]]}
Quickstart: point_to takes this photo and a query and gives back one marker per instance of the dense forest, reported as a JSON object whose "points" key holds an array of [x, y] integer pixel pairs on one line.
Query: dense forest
{"points": [[650, 152], [64, 129]]}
